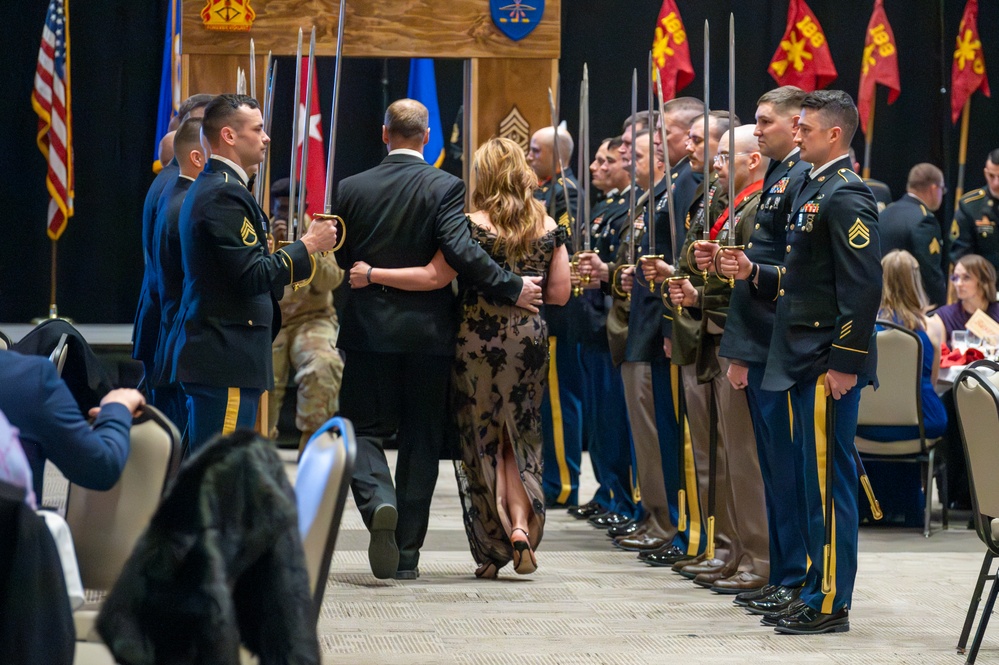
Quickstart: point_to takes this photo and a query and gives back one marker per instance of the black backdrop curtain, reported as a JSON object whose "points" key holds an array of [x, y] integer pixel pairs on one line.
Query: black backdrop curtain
{"points": [[116, 51]]}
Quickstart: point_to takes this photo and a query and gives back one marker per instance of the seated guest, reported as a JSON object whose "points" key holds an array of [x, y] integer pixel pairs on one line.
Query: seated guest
{"points": [[14, 467], [974, 282], [903, 302], [38, 403]]}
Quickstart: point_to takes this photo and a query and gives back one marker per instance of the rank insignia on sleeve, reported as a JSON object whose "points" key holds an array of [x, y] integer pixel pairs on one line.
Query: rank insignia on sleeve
{"points": [[860, 235], [934, 246], [955, 230], [248, 233], [780, 186]]}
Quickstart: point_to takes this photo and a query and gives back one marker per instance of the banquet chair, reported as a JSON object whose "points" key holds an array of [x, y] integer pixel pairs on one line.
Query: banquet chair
{"points": [[976, 398], [898, 402], [5, 342], [106, 525]]}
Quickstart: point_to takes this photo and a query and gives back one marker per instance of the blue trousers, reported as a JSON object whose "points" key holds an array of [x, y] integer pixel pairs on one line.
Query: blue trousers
{"points": [[562, 423], [171, 400], [809, 409], [213, 410], [779, 456], [606, 431]]}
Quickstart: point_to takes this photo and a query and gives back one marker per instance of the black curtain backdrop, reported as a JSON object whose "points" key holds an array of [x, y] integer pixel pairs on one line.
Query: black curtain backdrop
{"points": [[116, 51]]}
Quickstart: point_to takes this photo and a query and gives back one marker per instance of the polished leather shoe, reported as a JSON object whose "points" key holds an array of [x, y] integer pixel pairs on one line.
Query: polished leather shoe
{"points": [[639, 543], [608, 520], [743, 598], [587, 510], [708, 580], [683, 563], [407, 574], [666, 555], [775, 602], [772, 618], [383, 553], [624, 530], [813, 622], [744, 581], [706, 566]]}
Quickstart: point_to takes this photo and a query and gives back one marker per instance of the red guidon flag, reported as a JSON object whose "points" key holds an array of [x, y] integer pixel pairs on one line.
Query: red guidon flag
{"points": [[967, 74], [803, 58], [880, 63], [671, 52], [315, 175]]}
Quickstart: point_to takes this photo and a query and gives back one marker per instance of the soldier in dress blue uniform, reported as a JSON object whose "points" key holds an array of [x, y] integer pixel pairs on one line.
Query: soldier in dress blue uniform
{"points": [[910, 224], [605, 426], [973, 230], [746, 342], [562, 409], [228, 314], [822, 350]]}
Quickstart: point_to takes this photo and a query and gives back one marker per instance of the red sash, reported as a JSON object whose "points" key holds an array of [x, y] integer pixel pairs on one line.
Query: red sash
{"points": [[743, 195]]}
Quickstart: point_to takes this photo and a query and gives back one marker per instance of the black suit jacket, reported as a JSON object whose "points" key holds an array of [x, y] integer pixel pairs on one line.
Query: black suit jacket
{"points": [[750, 320], [147, 314], [167, 255], [829, 288], [228, 314], [398, 214], [907, 224]]}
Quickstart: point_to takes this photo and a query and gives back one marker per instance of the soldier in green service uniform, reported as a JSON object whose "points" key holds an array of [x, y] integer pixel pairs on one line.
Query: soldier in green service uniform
{"points": [[973, 230]]}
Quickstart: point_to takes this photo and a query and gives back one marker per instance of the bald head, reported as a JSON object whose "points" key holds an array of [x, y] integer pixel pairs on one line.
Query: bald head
{"points": [[406, 125], [541, 155]]}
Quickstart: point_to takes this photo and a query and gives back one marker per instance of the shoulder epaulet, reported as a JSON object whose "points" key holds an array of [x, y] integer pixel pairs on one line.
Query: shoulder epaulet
{"points": [[923, 209], [562, 182], [849, 176], [973, 196]]}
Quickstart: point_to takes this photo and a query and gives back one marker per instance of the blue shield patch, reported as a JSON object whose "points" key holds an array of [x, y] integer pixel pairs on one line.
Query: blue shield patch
{"points": [[516, 18]]}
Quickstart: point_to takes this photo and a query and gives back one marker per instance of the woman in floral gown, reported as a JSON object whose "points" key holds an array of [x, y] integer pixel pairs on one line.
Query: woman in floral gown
{"points": [[501, 360]]}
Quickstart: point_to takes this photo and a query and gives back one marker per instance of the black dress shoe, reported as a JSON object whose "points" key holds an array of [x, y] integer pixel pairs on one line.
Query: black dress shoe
{"points": [[743, 598], [623, 530], [587, 510], [775, 602], [658, 550], [813, 622], [772, 618], [665, 557], [608, 520]]}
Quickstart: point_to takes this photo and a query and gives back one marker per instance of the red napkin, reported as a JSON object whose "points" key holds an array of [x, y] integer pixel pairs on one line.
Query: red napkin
{"points": [[950, 358]]}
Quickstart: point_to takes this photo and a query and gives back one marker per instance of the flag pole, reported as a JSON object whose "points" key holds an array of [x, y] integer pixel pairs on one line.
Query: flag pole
{"points": [[869, 136], [53, 309], [962, 151]]}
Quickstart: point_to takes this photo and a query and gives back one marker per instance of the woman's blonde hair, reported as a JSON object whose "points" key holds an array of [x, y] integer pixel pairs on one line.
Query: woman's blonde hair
{"points": [[903, 299], [504, 189]]}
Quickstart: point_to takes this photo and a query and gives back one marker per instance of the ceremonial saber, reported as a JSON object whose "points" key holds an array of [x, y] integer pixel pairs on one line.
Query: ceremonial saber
{"points": [[328, 202], [294, 175], [650, 223], [632, 204], [270, 72], [713, 411], [558, 165], [827, 553], [730, 232], [712, 468], [253, 70], [307, 129], [865, 482], [585, 140]]}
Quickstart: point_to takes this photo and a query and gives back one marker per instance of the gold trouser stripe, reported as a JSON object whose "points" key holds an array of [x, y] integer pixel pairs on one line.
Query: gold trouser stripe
{"points": [[231, 411], [693, 505], [558, 434], [821, 451]]}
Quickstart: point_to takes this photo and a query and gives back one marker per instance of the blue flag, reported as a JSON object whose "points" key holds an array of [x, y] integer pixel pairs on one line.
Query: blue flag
{"points": [[169, 79], [423, 88]]}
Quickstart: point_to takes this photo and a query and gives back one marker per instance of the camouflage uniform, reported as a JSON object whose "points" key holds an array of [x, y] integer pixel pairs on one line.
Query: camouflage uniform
{"points": [[307, 343]]}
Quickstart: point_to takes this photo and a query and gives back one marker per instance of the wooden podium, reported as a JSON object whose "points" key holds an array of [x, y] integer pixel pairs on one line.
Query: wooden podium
{"points": [[506, 82]]}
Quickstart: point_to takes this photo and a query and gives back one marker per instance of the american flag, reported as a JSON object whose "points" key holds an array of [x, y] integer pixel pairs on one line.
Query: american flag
{"points": [[51, 101]]}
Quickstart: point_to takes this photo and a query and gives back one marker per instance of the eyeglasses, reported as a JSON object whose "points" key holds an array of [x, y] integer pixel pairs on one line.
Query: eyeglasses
{"points": [[722, 157], [942, 187]]}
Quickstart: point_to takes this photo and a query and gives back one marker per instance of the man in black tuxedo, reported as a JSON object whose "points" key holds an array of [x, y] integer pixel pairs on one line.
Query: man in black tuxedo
{"points": [[228, 314], [400, 345]]}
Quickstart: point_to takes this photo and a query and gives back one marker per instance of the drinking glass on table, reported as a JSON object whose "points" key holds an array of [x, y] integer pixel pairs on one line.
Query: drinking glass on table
{"points": [[959, 340]]}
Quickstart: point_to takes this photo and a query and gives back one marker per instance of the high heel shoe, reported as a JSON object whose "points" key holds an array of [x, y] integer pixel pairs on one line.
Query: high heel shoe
{"points": [[487, 571], [524, 562]]}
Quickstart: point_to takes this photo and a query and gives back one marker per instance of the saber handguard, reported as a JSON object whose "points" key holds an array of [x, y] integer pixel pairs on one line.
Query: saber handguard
{"points": [[281, 244], [649, 257], [721, 248], [574, 264], [676, 309], [341, 234], [616, 282]]}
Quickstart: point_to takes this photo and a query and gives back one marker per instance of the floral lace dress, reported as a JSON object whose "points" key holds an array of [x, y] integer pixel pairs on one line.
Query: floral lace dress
{"points": [[500, 369]]}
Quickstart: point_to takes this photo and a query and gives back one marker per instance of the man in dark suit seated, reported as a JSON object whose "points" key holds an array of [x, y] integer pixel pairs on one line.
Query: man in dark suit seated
{"points": [[400, 345], [232, 282], [38, 403], [910, 224]]}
